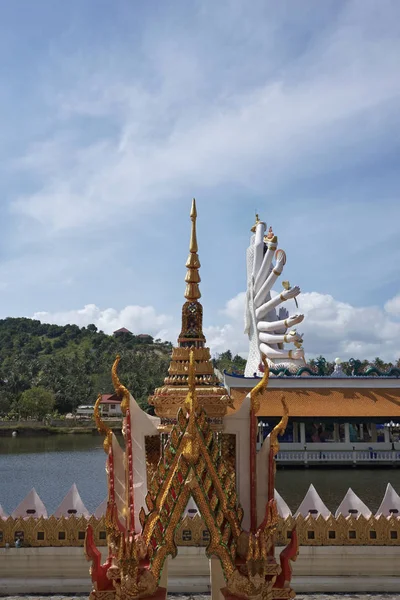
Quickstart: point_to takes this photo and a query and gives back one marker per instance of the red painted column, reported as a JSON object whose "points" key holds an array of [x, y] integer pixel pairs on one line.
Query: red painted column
{"points": [[271, 486], [129, 474], [253, 471], [271, 475]]}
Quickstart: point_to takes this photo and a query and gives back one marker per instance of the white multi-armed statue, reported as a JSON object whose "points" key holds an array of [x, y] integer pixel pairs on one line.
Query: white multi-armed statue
{"points": [[268, 327]]}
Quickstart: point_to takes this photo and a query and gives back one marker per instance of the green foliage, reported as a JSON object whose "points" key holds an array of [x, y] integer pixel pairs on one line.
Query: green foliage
{"points": [[74, 363], [36, 403], [225, 362]]}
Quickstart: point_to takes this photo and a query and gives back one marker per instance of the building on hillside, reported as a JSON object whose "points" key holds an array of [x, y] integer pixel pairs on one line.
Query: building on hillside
{"points": [[122, 331], [110, 406], [84, 411], [145, 338]]}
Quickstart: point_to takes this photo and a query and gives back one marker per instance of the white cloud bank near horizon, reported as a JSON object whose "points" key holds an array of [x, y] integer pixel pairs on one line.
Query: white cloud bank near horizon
{"points": [[331, 327], [138, 319]]}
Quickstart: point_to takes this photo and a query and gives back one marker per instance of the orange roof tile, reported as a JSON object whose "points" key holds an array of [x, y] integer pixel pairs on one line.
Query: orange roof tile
{"points": [[325, 402]]}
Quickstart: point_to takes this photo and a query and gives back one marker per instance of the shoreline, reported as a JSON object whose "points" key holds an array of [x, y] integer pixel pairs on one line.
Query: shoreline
{"points": [[32, 430]]}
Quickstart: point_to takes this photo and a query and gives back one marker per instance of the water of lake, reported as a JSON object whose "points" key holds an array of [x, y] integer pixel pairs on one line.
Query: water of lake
{"points": [[52, 464]]}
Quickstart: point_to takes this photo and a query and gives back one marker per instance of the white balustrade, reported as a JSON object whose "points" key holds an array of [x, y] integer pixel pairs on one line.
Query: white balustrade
{"points": [[338, 456]]}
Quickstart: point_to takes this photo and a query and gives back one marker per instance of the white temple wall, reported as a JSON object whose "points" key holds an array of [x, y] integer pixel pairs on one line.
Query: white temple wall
{"points": [[239, 424], [318, 569], [142, 424]]}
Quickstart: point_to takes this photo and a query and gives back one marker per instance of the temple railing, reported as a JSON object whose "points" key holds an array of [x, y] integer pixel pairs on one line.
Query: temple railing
{"points": [[311, 531], [338, 456]]}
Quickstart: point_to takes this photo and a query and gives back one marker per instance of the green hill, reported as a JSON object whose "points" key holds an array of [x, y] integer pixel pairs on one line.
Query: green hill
{"points": [[75, 363]]}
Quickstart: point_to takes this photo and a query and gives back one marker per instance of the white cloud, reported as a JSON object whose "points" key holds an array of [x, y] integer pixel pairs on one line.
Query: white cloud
{"points": [[225, 337], [195, 128], [138, 319], [331, 328], [234, 308], [393, 306]]}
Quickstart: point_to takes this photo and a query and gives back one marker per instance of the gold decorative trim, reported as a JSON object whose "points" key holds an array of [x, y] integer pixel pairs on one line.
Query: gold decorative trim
{"points": [[192, 531], [101, 426], [280, 428], [63, 532], [260, 387], [121, 391], [253, 229], [341, 531]]}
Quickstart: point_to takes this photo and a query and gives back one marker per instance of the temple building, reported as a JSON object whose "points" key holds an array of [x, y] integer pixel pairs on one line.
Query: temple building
{"points": [[330, 414]]}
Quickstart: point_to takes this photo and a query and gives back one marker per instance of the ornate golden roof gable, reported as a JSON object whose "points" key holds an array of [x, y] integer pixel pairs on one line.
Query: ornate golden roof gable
{"points": [[192, 467]]}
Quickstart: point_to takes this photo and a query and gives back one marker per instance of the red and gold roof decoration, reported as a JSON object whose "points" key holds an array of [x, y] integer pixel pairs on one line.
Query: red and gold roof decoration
{"points": [[191, 466], [167, 399], [325, 402]]}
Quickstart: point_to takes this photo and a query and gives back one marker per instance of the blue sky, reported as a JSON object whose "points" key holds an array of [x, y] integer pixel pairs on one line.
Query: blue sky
{"points": [[115, 113]]}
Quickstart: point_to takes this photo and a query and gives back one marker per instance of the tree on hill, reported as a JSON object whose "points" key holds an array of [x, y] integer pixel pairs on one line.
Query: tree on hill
{"points": [[36, 403], [232, 364], [74, 363]]}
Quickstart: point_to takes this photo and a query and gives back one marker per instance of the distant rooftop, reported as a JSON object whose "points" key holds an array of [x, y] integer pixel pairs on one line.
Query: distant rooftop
{"points": [[110, 399], [122, 330]]}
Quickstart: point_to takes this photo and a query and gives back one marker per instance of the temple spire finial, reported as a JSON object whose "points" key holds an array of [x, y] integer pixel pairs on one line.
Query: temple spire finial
{"points": [[192, 291], [193, 238]]}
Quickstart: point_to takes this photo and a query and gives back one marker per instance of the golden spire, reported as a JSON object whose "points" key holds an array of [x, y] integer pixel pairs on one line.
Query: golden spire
{"points": [[191, 369], [192, 291], [193, 216]]}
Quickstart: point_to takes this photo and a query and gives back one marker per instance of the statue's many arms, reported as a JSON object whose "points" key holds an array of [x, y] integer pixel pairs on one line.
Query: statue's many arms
{"points": [[269, 325]]}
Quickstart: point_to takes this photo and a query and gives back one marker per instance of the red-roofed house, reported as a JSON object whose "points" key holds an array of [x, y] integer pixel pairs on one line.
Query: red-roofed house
{"points": [[122, 331], [110, 405], [145, 338]]}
